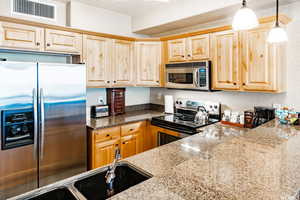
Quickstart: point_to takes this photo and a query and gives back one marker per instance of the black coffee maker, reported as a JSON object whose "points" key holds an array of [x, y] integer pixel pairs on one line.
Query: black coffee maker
{"points": [[263, 115]]}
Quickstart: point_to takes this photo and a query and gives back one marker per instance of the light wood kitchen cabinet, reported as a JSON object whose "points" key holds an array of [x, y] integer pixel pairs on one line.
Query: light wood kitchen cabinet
{"points": [[123, 67], [189, 49], [225, 61], [63, 41], [97, 57], [198, 47], [148, 63], [177, 50], [21, 37], [245, 61], [262, 63]]}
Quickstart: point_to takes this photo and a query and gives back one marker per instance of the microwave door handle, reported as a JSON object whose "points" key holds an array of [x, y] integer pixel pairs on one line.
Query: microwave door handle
{"points": [[196, 76]]}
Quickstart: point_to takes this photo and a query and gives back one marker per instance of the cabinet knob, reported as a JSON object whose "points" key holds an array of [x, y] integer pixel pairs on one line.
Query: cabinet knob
{"points": [[124, 142], [131, 129], [157, 81], [189, 55], [107, 135], [244, 83], [108, 81], [115, 81], [182, 56], [48, 45], [38, 44], [234, 83]]}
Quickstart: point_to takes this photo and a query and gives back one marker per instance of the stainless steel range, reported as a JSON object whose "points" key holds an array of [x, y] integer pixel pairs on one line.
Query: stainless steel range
{"points": [[189, 118]]}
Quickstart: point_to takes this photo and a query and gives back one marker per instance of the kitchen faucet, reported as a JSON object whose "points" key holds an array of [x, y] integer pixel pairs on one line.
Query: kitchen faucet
{"points": [[110, 175]]}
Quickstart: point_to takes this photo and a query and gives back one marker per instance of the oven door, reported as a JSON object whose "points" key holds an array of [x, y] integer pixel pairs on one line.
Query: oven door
{"points": [[185, 78], [165, 138]]}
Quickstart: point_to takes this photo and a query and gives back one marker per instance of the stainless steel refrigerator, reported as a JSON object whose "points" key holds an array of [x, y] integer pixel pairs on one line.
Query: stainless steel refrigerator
{"points": [[42, 124]]}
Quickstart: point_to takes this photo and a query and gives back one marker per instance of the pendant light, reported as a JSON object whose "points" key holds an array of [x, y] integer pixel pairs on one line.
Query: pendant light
{"points": [[277, 34], [244, 19]]}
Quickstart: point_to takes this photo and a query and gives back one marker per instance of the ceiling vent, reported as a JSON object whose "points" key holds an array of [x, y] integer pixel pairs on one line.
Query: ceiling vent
{"points": [[34, 8]]}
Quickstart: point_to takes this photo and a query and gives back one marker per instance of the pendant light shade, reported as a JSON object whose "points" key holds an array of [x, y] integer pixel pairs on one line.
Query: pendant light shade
{"points": [[244, 19], [277, 34]]}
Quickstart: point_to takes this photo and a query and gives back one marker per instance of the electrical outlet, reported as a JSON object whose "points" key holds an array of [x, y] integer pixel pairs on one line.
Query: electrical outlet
{"points": [[100, 100]]}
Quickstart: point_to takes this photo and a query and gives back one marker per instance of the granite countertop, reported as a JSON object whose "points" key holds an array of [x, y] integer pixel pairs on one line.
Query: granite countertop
{"points": [[223, 162], [128, 117]]}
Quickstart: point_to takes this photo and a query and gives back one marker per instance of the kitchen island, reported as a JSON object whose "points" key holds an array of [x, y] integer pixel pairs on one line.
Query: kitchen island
{"points": [[222, 162]]}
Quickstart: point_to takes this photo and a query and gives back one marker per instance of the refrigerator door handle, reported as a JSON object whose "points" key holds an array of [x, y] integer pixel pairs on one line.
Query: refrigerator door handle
{"points": [[42, 122], [35, 123]]}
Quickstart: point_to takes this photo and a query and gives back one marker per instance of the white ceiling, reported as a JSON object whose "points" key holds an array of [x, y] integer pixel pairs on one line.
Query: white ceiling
{"points": [[133, 8]]}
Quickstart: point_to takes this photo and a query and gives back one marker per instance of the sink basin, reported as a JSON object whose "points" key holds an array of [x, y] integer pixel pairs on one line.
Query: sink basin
{"points": [[57, 194], [94, 186]]}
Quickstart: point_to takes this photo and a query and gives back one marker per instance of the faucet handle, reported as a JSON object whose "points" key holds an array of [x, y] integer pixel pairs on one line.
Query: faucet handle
{"points": [[117, 154]]}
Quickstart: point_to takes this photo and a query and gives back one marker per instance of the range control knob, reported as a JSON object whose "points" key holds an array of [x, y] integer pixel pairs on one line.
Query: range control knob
{"points": [[177, 102], [180, 102], [216, 106]]}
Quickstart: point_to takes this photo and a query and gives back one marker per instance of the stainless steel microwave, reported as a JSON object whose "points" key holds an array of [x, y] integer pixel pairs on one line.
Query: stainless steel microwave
{"points": [[193, 75]]}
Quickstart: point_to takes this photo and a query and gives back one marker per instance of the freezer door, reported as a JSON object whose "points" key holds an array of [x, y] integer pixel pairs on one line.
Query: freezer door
{"points": [[18, 128], [62, 100]]}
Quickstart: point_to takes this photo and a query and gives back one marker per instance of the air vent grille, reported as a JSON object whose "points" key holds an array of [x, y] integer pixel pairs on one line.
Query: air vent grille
{"points": [[34, 8]]}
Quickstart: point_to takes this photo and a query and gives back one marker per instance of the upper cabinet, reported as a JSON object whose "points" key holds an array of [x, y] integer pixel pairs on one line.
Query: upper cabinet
{"points": [[97, 57], [198, 47], [21, 37], [63, 41], [148, 63], [189, 49], [123, 67], [176, 50], [225, 60], [245, 61], [262, 63]]}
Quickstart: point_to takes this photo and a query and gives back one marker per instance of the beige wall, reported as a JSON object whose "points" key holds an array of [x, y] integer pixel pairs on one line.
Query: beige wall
{"points": [[242, 100]]}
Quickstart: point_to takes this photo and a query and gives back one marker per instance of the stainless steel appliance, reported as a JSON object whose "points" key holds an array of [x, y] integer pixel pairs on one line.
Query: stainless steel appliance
{"points": [[194, 75], [184, 121], [98, 111], [42, 124]]}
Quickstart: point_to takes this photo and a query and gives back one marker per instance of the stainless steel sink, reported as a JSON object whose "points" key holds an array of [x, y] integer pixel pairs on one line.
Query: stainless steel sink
{"points": [[90, 185]]}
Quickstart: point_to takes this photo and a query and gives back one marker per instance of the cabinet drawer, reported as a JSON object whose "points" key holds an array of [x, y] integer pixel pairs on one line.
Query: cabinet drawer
{"points": [[131, 128], [107, 134]]}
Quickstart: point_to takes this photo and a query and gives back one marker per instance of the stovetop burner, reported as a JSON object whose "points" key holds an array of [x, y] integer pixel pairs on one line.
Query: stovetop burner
{"points": [[182, 117]]}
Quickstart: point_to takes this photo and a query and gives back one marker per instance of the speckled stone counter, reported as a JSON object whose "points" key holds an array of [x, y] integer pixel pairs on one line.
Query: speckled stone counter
{"points": [[128, 117], [223, 162]]}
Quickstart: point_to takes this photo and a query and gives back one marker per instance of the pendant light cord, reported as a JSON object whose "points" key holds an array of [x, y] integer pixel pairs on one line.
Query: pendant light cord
{"points": [[277, 13], [244, 3]]}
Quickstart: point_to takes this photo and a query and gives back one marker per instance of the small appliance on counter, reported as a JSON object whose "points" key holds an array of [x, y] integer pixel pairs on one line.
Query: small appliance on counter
{"points": [[259, 116], [116, 100], [189, 117], [233, 118], [98, 111]]}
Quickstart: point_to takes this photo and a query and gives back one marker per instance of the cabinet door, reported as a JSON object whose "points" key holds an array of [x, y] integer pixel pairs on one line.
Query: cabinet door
{"points": [[97, 56], [177, 50], [123, 67], [225, 61], [198, 47], [63, 41], [129, 146], [259, 65], [148, 63], [23, 37], [105, 153]]}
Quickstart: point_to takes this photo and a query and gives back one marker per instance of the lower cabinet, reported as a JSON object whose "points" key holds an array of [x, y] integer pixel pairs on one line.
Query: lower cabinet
{"points": [[105, 152], [103, 143]]}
